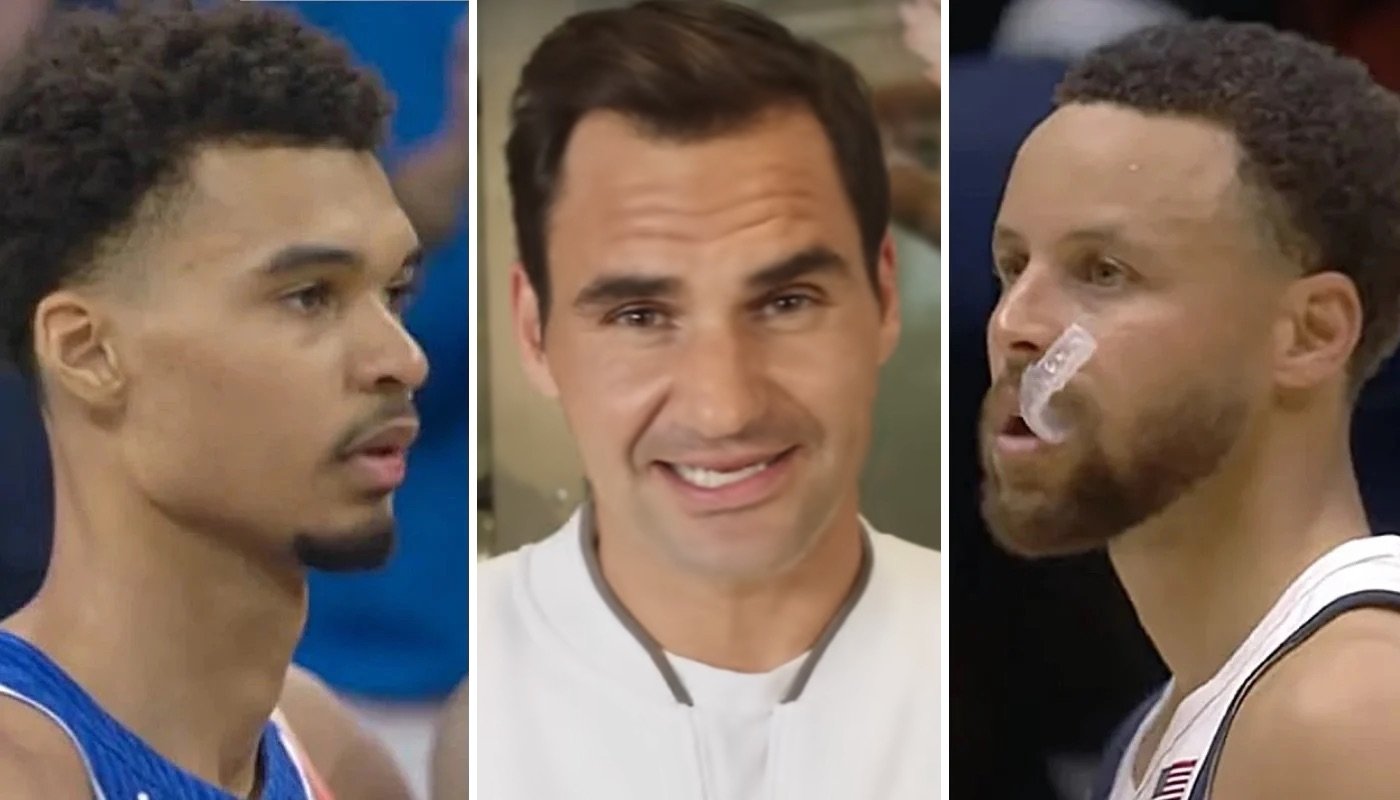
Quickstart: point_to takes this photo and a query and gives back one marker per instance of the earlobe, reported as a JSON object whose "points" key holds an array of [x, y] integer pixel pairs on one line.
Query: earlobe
{"points": [[74, 347], [1319, 331], [529, 331]]}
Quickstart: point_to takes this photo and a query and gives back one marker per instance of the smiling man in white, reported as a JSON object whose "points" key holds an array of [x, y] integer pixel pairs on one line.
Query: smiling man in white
{"points": [[707, 286]]}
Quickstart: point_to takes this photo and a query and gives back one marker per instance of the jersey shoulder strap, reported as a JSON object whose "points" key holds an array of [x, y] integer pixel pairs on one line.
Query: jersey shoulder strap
{"points": [[315, 786], [1371, 598]]}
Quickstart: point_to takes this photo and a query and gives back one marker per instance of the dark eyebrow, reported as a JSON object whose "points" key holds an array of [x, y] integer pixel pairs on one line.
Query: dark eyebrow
{"points": [[813, 260], [610, 289], [1002, 235], [295, 258]]}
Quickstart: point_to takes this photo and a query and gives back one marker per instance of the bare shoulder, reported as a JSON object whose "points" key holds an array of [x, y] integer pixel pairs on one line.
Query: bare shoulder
{"points": [[347, 757], [1325, 721], [451, 750], [36, 759]]}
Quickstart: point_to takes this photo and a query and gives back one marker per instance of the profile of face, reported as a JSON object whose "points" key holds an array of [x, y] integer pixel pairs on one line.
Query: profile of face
{"points": [[1139, 228], [713, 338], [247, 356]]}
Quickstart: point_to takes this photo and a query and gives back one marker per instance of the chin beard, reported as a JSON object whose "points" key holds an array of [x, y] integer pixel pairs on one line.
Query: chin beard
{"points": [[1176, 446], [357, 550]]}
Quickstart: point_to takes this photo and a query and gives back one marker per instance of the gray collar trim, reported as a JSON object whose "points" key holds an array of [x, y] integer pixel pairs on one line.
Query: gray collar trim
{"points": [[589, 541]]}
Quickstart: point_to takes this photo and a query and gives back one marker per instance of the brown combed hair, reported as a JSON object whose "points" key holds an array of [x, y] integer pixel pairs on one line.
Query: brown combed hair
{"points": [[683, 70], [100, 110], [1319, 138]]}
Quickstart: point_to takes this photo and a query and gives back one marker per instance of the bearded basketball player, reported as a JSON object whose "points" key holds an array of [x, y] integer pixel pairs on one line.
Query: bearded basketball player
{"points": [[1217, 205]]}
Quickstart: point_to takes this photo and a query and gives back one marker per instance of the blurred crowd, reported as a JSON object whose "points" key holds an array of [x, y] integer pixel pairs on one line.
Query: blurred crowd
{"points": [[1047, 656]]}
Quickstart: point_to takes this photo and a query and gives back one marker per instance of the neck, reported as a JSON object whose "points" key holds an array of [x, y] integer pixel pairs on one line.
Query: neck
{"points": [[182, 639], [744, 626], [1205, 572]]}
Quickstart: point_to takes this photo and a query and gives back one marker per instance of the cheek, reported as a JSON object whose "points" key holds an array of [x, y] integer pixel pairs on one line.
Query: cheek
{"points": [[250, 422], [1163, 380], [833, 375], [608, 393]]}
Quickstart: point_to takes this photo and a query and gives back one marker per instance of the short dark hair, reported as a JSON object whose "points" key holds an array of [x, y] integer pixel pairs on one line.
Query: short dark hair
{"points": [[1319, 138], [100, 110], [683, 70]]}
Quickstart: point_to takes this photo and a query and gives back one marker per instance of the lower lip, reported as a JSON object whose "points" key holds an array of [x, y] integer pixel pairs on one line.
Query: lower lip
{"points": [[1016, 445], [382, 473], [751, 491]]}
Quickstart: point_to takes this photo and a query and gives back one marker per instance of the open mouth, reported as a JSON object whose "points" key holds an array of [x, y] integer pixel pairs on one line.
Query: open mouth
{"points": [[1016, 426]]}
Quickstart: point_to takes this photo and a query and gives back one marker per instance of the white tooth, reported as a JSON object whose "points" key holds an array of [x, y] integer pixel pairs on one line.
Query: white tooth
{"points": [[714, 479]]}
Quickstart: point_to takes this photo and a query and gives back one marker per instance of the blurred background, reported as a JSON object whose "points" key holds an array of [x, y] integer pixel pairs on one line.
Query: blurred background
{"points": [[530, 474], [392, 643], [1047, 657]]}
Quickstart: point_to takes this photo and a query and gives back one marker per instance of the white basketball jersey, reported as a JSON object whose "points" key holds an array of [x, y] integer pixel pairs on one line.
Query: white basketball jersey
{"points": [[1359, 573]]}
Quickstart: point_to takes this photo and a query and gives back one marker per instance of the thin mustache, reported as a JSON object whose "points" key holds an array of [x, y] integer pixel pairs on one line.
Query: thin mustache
{"points": [[394, 409]]}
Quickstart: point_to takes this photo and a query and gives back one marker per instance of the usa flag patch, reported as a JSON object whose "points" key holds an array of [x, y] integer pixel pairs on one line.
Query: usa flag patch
{"points": [[1174, 780]]}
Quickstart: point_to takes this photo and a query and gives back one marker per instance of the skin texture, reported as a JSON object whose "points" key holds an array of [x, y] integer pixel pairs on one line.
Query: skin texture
{"points": [[1209, 451], [452, 748], [751, 332], [196, 406]]}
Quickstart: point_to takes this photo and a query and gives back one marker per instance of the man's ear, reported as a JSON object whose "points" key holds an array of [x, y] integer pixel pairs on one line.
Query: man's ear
{"points": [[76, 350], [529, 331], [887, 291], [1318, 329]]}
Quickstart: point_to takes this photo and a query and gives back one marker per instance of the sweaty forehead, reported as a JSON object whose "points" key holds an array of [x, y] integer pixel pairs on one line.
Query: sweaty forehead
{"points": [[622, 189], [1100, 165], [242, 204]]}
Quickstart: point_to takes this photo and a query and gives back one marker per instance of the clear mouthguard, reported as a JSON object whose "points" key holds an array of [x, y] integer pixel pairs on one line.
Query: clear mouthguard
{"points": [[1049, 375]]}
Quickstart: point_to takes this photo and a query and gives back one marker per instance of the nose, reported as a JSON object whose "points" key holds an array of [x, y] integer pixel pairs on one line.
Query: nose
{"points": [[719, 382], [387, 356], [1032, 311]]}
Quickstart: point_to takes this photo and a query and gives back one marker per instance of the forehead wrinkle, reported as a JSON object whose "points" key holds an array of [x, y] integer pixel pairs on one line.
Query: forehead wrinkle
{"points": [[660, 215]]}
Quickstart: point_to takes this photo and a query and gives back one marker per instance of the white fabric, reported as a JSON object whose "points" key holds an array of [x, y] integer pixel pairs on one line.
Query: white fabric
{"points": [[733, 714], [571, 705], [1360, 565]]}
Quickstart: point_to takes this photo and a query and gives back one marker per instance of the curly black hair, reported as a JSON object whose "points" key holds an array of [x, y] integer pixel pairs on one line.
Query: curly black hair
{"points": [[101, 110], [683, 70], [1319, 142]]}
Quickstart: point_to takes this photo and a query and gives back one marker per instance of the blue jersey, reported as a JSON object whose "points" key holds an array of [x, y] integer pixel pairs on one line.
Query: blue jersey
{"points": [[119, 765]]}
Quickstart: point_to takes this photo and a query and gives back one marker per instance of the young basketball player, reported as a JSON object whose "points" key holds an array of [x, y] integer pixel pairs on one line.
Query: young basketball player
{"points": [[201, 272]]}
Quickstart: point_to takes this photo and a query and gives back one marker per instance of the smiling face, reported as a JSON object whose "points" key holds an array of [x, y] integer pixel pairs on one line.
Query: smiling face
{"points": [[714, 338], [250, 344], [1138, 228]]}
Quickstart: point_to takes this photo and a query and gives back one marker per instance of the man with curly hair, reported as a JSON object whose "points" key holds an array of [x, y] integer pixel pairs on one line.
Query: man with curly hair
{"points": [[202, 271], [1216, 205]]}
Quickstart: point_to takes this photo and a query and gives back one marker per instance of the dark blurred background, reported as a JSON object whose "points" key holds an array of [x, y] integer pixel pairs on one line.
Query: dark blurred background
{"points": [[1047, 657]]}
